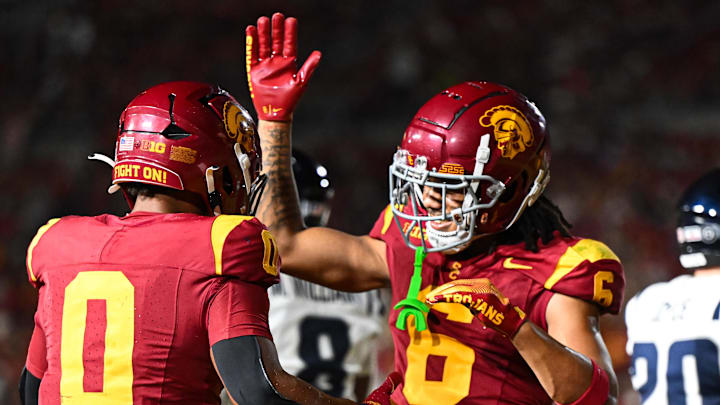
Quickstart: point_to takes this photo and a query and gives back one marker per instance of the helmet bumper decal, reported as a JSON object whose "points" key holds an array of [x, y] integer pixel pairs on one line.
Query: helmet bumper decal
{"points": [[700, 244], [146, 172]]}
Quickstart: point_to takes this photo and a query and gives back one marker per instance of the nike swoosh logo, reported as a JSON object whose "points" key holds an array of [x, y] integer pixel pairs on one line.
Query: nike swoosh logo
{"points": [[508, 264]]}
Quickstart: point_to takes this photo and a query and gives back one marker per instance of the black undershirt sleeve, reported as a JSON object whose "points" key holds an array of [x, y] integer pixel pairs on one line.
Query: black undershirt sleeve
{"points": [[29, 388], [239, 362]]}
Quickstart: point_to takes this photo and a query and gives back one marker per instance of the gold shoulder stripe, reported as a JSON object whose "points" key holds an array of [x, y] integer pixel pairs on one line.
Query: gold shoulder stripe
{"points": [[221, 228], [34, 243], [387, 220], [585, 249]]}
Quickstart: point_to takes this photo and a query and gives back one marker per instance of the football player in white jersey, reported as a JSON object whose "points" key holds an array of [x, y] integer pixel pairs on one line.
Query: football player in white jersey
{"points": [[674, 327], [326, 337]]}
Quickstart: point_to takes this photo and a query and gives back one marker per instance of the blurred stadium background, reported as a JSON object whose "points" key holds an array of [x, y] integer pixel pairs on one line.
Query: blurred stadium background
{"points": [[630, 89]]}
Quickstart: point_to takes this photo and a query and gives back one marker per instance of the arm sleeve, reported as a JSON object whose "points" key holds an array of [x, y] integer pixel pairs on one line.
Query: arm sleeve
{"points": [[240, 366], [238, 308]]}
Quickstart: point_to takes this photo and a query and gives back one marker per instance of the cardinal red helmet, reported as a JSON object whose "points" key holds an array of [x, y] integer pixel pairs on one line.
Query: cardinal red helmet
{"points": [[178, 134], [482, 139]]}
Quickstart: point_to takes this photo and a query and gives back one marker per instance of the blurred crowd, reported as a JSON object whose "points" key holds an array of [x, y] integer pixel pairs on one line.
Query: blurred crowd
{"points": [[629, 87]]}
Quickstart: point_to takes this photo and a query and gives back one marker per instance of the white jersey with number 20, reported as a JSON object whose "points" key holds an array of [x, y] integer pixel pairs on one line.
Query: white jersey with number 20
{"points": [[674, 340]]}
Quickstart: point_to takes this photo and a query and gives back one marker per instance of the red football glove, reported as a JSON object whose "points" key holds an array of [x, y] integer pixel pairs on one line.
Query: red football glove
{"points": [[484, 300], [381, 395], [275, 84]]}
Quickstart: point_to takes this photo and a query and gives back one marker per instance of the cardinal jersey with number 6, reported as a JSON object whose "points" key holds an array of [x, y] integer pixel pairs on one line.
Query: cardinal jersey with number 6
{"points": [[457, 360]]}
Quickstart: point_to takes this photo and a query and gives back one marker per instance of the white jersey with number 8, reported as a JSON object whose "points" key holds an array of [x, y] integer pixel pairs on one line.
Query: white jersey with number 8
{"points": [[326, 337]]}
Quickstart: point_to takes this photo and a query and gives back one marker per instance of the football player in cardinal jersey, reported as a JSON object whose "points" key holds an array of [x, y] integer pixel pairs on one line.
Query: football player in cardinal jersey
{"points": [[674, 327], [515, 298], [326, 337], [165, 304]]}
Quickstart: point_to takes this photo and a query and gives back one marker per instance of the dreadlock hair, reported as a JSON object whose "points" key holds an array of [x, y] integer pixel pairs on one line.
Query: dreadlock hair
{"points": [[539, 221]]}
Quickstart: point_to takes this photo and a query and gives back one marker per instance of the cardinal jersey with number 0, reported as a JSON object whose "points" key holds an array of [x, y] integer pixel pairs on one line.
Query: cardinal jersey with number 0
{"points": [[129, 307], [326, 337], [673, 337], [458, 361]]}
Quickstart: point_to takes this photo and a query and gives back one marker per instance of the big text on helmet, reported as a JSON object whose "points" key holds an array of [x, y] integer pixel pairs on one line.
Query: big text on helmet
{"points": [[152, 146]]}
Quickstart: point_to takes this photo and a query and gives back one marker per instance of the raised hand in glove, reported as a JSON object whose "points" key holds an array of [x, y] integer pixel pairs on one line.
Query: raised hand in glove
{"points": [[270, 58], [381, 395], [484, 300]]}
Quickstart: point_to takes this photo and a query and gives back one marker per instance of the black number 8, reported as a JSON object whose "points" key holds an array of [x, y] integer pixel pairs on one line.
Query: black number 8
{"points": [[311, 329]]}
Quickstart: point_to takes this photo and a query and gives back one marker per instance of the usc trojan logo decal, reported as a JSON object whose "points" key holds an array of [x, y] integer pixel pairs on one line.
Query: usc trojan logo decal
{"points": [[239, 126], [512, 130]]}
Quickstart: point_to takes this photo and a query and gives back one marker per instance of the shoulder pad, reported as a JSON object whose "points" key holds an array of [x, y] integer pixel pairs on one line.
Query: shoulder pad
{"points": [[244, 248], [33, 275], [589, 270], [584, 250]]}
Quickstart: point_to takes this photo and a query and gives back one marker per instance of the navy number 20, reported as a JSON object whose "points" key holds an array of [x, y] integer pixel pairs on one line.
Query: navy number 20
{"points": [[705, 353]]}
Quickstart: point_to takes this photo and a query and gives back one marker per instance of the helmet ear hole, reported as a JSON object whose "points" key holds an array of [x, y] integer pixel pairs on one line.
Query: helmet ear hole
{"points": [[227, 181], [509, 193]]}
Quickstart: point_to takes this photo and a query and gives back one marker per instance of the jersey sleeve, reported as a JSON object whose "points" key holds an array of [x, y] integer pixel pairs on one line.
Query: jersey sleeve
{"points": [[589, 270], [382, 224], [245, 249], [35, 256], [238, 308]]}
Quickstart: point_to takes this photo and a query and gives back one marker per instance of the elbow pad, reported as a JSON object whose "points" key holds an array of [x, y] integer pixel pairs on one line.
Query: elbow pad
{"points": [[239, 363], [599, 389]]}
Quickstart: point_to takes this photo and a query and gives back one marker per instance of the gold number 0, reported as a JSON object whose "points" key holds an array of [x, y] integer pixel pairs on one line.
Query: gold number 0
{"points": [[457, 372], [270, 258], [119, 295]]}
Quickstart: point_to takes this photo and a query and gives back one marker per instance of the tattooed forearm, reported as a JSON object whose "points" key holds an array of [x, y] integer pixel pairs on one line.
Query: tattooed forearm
{"points": [[279, 207]]}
